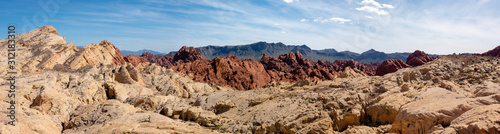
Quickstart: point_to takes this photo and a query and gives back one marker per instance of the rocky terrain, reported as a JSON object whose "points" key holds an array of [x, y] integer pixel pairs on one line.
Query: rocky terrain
{"points": [[62, 88], [246, 74]]}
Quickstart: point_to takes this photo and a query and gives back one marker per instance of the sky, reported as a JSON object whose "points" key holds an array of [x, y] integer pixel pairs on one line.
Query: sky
{"points": [[436, 27]]}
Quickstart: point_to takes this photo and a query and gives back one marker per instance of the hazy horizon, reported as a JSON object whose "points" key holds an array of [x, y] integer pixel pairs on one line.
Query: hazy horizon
{"points": [[436, 27]]}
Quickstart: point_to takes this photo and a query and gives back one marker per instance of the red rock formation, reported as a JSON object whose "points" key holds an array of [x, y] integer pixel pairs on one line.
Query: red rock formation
{"points": [[246, 74], [184, 55], [495, 52], [164, 61], [134, 59], [230, 71], [293, 67], [367, 68], [187, 54], [418, 58], [239, 74], [390, 66]]}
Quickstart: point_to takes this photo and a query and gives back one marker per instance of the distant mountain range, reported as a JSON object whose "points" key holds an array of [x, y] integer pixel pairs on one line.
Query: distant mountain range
{"points": [[126, 52], [256, 50]]}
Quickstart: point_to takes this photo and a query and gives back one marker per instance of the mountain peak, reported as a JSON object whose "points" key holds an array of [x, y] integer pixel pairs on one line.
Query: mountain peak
{"points": [[47, 29], [305, 47]]}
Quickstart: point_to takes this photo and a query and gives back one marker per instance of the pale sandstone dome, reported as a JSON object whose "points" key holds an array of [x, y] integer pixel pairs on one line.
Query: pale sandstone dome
{"points": [[66, 89], [43, 48]]}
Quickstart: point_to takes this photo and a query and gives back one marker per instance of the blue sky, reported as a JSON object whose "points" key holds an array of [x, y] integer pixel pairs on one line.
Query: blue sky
{"points": [[438, 27]]}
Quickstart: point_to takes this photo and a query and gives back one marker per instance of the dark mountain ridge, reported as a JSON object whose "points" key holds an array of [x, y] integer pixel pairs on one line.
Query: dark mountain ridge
{"points": [[139, 52], [255, 51]]}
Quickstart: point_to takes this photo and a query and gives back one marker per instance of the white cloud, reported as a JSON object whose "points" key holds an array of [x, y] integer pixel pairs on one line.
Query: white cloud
{"points": [[334, 19], [387, 6], [371, 9], [372, 6], [317, 20], [304, 20], [339, 20], [290, 1], [371, 3]]}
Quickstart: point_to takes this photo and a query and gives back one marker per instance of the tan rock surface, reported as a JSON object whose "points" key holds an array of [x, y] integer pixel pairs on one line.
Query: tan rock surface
{"points": [[483, 119], [453, 93], [103, 53], [43, 48]]}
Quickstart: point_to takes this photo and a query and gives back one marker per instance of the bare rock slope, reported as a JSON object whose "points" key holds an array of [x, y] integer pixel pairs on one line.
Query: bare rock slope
{"points": [[450, 94], [43, 48]]}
